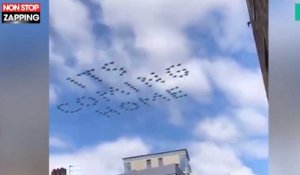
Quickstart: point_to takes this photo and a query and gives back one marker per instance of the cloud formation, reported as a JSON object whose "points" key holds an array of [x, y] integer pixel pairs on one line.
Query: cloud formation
{"points": [[212, 159], [242, 86], [220, 129], [52, 94], [55, 142], [105, 158]]}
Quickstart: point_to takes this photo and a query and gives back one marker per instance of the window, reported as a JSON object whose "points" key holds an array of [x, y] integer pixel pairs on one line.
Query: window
{"points": [[266, 55], [160, 162], [127, 167], [183, 163], [253, 10], [148, 163], [189, 169]]}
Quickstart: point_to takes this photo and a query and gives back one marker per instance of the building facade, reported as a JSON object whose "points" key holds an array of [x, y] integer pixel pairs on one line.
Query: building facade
{"points": [[258, 12], [163, 170], [165, 163], [59, 171]]}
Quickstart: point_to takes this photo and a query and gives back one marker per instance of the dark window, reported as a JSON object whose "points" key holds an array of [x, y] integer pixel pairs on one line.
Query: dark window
{"points": [[127, 167], [183, 163], [253, 11], [266, 55], [160, 162], [148, 163]]}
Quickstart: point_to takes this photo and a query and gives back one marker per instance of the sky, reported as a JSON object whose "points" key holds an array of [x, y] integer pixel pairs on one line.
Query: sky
{"points": [[157, 76]]}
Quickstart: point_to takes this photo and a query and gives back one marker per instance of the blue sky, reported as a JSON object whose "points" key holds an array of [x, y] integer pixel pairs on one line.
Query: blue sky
{"points": [[223, 119]]}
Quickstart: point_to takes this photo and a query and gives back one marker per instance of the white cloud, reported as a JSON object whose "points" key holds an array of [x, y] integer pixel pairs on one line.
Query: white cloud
{"points": [[175, 116], [55, 142], [254, 149], [106, 158], [245, 132], [75, 29], [52, 94], [252, 121], [158, 26], [211, 159], [65, 20], [219, 129], [149, 18], [242, 86]]}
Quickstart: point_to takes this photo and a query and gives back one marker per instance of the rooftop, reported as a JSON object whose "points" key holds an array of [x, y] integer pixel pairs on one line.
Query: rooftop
{"points": [[166, 152]]}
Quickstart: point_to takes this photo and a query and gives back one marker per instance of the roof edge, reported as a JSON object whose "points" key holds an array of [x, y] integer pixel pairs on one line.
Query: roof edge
{"points": [[152, 154]]}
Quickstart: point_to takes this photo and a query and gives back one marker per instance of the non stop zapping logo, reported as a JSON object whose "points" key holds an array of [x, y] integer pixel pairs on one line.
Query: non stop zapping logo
{"points": [[21, 13]]}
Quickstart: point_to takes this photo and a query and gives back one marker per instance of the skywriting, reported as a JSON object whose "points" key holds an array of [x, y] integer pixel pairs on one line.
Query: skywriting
{"points": [[125, 89]]}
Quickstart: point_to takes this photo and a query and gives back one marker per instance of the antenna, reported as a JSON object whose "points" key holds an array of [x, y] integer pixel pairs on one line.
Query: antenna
{"points": [[74, 169]]}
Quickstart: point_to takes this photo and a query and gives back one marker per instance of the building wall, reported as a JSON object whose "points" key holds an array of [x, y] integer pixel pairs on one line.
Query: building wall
{"points": [[168, 160], [258, 12], [164, 170], [141, 163]]}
